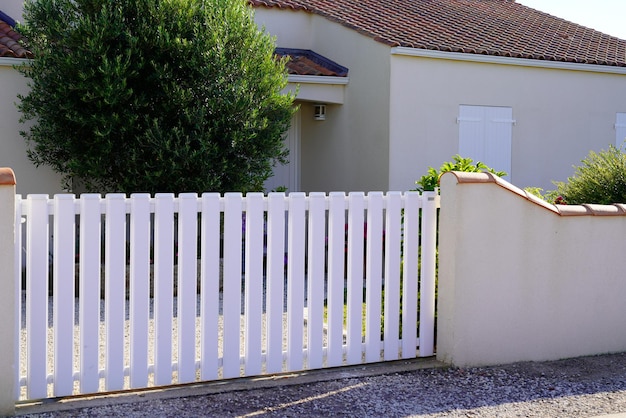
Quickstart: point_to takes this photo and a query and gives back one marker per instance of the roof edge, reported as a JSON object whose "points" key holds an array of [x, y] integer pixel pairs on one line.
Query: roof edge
{"points": [[500, 60], [317, 79], [10, 62]]}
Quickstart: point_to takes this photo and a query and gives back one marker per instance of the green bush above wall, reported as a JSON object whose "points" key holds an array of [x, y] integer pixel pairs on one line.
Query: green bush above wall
{"points": [[430, 181], [601, 179]]}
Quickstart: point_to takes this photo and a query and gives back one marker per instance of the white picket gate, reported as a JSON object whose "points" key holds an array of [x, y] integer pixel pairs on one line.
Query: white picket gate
{"points": [[195, 288]]}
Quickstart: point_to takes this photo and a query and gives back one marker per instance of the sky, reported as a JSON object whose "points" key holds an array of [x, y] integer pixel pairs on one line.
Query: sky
{"points": [[608, 16]]}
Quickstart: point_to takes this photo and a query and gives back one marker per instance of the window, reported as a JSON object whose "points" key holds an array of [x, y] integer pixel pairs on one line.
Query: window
{"points": [[485, 134]]}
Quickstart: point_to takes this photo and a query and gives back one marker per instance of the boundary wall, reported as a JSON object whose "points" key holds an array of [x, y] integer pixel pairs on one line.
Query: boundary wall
{"points": [[523, 280]]}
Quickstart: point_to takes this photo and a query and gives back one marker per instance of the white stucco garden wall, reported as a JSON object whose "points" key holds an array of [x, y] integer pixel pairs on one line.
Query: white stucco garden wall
{"points": [[520, 282], [30, 179], [560, 114]]}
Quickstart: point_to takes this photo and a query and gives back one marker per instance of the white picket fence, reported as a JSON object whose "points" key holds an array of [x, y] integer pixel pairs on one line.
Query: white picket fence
{"points": [[200, 288]]}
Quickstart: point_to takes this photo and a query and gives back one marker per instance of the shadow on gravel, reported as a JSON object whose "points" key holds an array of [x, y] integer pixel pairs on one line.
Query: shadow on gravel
{"points": [[583, 386]]}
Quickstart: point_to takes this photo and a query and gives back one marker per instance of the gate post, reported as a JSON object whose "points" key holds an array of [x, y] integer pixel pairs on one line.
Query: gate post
{"points": [[7, 292]]}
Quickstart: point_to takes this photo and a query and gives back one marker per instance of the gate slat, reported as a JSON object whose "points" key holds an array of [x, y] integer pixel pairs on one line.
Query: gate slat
{"points": [[18, 293], [253, 283], [336, 252], [374, 276], [115, 289], [163, 287], [410, 254], [63, 293], [37, 295], [295, 281], [392, 275], [139, 288], [355, 277], [89, 292], [427, 283], [316, 262], [209, 285], [187, 285], [275, 281], [232, 284]]}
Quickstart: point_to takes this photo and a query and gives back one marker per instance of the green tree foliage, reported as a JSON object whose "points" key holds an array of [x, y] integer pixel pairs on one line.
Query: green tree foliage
{"points": [[600, 179], [154, 96], [430, 181]]}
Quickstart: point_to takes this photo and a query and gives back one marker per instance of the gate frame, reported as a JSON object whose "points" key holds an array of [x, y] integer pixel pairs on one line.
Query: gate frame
{"points": [[7, 295]]}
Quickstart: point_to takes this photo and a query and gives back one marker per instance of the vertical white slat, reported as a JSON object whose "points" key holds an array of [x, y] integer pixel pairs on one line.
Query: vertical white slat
{"points": [[374, 276], [410, 255], [232, 283], [89, 292], [114, 289], [163, 287], [36, 295], [428, 273], [18, 294], [209, 285], [253, 283], [275, 281], [316, 261], [355, 277], [187, 285], [336, 253], [139, 288], [295, 281], [63, 272], [392, 275]]}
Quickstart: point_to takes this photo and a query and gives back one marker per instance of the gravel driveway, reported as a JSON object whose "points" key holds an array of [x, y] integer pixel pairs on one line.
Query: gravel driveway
{"points": [[581, 387]]}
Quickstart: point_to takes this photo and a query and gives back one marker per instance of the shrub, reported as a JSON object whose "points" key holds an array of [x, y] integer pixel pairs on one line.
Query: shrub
{"points": [[600, 179], [154, 96], [430, 181]]}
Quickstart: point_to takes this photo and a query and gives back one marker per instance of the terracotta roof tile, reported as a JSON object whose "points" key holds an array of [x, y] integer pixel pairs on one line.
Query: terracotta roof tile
{"points": [[489, 27], [307, 62], [9, 40]]}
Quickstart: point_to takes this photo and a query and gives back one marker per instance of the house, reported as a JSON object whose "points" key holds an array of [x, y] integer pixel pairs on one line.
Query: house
{"points": [[30, 179], [388, 88], [519, 89]]}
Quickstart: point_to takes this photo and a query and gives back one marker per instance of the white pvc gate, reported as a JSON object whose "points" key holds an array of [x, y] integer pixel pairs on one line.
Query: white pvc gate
{"points": [[199, 288]]}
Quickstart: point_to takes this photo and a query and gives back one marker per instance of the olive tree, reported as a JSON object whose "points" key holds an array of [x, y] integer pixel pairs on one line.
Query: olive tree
{"points": [[154, 95]]}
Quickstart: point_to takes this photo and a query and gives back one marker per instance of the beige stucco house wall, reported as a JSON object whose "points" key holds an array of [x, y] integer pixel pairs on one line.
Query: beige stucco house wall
{"points": [[349, 150], [561, 111], [30, 179]]}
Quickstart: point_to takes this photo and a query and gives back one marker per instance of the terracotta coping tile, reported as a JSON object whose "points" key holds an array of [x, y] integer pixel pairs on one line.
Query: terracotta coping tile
{"points": [[7, 177], [618, 209]]}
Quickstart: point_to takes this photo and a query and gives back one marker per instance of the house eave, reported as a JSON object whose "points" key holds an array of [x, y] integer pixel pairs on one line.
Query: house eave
{"points": [[317, 79], [10, 62], [321, 89], [521, 62]]}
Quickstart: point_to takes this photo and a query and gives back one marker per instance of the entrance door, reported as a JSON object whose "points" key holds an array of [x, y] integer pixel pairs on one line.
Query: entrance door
{"points": [[288, 175]]}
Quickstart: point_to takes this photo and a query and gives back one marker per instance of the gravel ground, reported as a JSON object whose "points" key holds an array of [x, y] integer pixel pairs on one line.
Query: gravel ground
{"points": [[581, 387]]}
